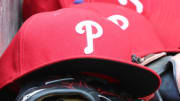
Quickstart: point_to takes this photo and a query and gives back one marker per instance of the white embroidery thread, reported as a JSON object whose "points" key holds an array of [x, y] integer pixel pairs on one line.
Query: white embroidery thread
{"points": [[115, 18], [123, 2], [89, 33], [137, 3]]}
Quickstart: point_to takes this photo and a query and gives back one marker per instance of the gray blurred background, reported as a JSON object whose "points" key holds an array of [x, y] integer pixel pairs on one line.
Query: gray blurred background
{"points": [[10, 21]]}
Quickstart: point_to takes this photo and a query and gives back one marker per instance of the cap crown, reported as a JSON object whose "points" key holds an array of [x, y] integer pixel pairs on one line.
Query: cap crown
{"points": [[65, 34]]}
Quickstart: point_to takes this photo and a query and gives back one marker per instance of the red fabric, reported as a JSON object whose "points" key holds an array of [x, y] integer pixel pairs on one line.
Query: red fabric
{"points": [[65, 3], [148, 98], [163, 14], [140, 31], [31, 7], [52, 37]]}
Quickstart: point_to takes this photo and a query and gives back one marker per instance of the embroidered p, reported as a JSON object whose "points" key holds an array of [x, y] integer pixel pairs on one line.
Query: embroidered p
{"points": [[88, 24]]}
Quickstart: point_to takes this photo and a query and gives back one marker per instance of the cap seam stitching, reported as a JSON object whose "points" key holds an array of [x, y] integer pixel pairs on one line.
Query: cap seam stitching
{"points": [[21, 51]]}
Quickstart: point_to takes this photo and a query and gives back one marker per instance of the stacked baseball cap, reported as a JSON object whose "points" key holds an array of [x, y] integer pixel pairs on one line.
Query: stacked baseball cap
{"points": [[31, 7], [163, 14], [81, 41]]}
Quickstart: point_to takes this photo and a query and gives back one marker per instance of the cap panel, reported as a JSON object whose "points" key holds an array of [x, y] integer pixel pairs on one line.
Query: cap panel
{"points": [[140, 32], [10, 60], [165, 19]]}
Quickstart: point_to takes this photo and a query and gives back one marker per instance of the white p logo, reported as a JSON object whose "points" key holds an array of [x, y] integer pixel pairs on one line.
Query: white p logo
{"points": [[115, 18], [89, 33], [137, 3]]}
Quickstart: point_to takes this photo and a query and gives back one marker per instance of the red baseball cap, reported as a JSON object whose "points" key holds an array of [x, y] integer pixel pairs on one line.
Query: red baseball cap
{"points": [[31, 7], [81, 39]]}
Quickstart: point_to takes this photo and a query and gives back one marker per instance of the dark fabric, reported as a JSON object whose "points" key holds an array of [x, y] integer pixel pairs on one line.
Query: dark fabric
{"points": [[168, 89]]}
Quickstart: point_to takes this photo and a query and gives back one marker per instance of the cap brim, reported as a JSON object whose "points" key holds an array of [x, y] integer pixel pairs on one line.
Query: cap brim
{"points": [[135, 79]]}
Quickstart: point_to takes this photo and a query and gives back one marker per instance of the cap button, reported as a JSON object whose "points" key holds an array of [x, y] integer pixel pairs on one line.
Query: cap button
{"points": [[78, 1]]}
